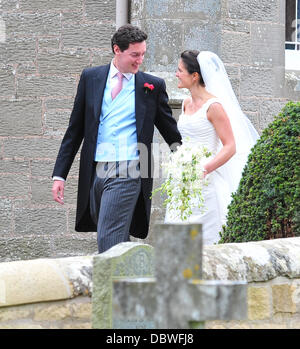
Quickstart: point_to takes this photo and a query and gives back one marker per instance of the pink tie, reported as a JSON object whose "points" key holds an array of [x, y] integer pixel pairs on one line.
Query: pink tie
{"points": [[118, 87]]}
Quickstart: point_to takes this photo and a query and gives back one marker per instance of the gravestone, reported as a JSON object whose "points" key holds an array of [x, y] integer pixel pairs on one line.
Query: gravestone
{"points": [[174, 296], [126, 260]]}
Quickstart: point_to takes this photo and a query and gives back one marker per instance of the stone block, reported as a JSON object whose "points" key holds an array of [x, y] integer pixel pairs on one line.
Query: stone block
{"points": [[7, 84], [269, 108], [162, 45], [56, 122], [267, 49], [201, 36], [128, 259], [21, 117], [23, 248], [33, 24], [257, 82], [100, 10], [255, 10], [33, 281], [74, 245], [52, 312], [88, 35], [15, 313], [32, 148], [259, 307], [14, 185], [6, 220], [62, 103], [236, 26], [101, 56], [235, 48], [18, 50], [82, 310], [14, 166], [49, 43], [62, 63], [283, 301], [54, 5], [40, 221], [46, 86]]}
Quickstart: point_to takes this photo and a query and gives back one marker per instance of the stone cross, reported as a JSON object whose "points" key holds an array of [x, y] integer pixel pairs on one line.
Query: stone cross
{"points": [[175, 297]]}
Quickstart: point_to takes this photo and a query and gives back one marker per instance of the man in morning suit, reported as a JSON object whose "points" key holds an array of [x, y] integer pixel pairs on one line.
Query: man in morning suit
{"points": [[115, 110]]}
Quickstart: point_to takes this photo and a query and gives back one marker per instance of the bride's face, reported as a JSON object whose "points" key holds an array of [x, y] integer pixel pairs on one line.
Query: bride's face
{"points": [[185, 79]]}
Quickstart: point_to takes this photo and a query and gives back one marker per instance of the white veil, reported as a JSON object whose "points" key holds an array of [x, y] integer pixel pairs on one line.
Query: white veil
{"points": [[218, 84]]}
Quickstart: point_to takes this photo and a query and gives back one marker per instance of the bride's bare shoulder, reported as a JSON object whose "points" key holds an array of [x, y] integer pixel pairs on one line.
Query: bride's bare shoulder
{"points": [[186, 103]]}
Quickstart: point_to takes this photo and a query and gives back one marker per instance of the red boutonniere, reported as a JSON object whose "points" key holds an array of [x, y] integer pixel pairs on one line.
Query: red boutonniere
{"points": [[148, 87]]}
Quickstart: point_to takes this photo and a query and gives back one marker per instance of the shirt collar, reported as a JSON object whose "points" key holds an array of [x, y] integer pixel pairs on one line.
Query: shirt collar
{"points": [[114, 71]]}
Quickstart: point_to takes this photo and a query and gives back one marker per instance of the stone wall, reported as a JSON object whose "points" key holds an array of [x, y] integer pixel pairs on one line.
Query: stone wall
{"points": [[47, 45], [56, 293]]}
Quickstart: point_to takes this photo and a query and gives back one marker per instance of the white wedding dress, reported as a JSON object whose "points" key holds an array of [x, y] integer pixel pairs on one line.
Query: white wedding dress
{"points": [[217, 195]]}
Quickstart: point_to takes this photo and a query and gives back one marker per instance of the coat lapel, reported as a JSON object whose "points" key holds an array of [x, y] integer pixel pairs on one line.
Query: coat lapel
{"points": [[140, 102], [99, 86]]}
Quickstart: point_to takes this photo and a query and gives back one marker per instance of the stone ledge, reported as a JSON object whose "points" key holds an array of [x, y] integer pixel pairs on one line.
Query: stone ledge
{"points": [[31, 281], [39, 280], [252, 261]]}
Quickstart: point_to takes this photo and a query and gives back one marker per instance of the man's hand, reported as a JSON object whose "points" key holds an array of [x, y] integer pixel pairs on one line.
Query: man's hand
{"points": [[58, 191]]}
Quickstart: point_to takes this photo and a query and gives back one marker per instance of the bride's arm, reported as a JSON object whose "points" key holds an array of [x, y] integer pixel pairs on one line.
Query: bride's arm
{"points": [[218, 117]]}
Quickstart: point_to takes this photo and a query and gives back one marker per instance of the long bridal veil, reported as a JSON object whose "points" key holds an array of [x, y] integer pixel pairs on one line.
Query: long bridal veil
{"points": [[218, 84]]}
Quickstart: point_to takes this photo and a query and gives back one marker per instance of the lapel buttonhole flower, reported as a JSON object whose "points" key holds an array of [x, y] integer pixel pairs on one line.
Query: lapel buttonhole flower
{"points": [[148, 87]]}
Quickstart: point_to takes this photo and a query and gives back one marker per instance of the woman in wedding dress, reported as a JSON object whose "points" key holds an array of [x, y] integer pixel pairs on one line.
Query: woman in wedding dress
{"points": [[211, 116]]}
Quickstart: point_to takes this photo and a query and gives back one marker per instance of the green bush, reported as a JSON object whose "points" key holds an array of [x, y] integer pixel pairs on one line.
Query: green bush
{"points": [[266, 204]]}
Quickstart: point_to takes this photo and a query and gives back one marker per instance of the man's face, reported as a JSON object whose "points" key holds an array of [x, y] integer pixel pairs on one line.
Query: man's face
{"points": [[129, 61]]}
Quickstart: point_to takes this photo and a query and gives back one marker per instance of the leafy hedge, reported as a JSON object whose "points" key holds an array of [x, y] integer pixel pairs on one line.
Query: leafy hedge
{"points": [[267, 202]]}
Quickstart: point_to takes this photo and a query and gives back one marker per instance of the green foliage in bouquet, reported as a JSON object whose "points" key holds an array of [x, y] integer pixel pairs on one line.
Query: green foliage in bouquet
{"points": [[267, 202]]}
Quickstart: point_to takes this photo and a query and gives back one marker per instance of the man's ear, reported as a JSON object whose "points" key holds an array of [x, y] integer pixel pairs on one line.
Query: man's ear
{"points": [[116, 49]]}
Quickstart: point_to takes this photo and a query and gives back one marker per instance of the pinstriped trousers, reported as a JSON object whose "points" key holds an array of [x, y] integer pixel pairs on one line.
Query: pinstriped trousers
{"points": [[114, 192]]}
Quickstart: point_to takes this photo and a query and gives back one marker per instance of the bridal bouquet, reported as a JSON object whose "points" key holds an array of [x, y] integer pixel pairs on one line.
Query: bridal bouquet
{"points": [[184, 180]]}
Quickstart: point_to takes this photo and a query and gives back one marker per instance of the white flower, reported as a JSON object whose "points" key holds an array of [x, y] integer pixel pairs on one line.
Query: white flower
{"points": [[184, 180]]}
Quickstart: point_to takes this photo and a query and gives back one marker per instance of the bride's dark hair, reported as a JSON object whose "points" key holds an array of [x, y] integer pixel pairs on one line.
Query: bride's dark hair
{"points": [[189, 58]]}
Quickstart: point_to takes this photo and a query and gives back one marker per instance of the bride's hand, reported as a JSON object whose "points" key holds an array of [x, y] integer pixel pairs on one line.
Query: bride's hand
{"points": [[204, 173]]}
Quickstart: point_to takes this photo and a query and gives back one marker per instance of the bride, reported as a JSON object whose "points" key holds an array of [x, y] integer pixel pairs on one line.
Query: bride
{"points": [[211, 116]]}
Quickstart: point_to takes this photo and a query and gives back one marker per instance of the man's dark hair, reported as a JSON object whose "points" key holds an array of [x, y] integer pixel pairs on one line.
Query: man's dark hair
{"points": [[127, 34], [189, 59]]}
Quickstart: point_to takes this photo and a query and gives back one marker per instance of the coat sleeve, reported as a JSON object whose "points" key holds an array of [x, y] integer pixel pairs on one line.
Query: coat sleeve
{"points": [[74, 133], [164, 121]]}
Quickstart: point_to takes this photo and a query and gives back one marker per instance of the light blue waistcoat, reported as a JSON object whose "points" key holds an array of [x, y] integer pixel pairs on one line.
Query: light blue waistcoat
{"points": [[117, 138]]}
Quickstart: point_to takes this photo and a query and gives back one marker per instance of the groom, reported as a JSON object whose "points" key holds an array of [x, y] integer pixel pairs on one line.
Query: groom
{"points": [[115, 110]]}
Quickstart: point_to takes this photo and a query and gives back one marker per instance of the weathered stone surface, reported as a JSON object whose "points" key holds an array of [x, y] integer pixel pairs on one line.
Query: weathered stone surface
{"points": [[100, 10], [283, 301], [252, 261], [18, 50], [21, 117], [234, 47], [32, 23], [40, 220], [40, 280], [12, 186], [128, 259], [88, 35], [24, 247], [7, 83], [259, 303], [63, 63], [31, 148], [265, 44], [255, 10], [45, 86]]}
